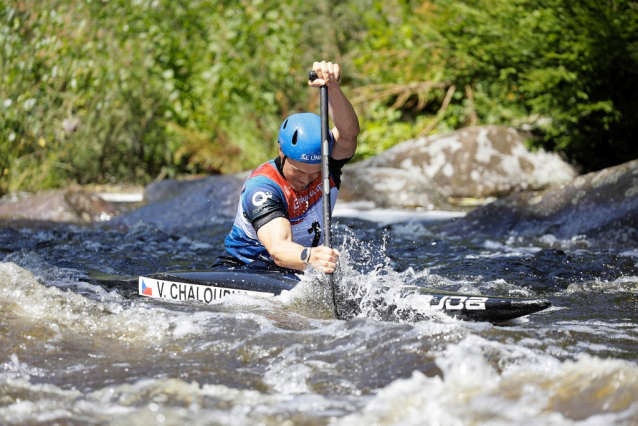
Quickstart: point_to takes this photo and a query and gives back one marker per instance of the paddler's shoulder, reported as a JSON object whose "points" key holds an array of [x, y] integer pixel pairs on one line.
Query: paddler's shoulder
{"points": [[267, 172], [268, 168]]}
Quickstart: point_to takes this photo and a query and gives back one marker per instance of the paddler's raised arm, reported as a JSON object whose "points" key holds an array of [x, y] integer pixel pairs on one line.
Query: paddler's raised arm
{"points": [[276, 236], [342, 113]]}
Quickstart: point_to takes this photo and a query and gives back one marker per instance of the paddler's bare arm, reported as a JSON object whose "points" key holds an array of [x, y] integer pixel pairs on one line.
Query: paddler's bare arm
{"points": [[276, 236], [343, 116]]}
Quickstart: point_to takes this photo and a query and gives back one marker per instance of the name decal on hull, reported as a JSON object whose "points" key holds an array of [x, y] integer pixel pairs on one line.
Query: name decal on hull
{"points": [[162, 289]]}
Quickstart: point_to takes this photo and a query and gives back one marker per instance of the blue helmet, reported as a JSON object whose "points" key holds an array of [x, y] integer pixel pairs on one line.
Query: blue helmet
{"points": [[300, 138]]}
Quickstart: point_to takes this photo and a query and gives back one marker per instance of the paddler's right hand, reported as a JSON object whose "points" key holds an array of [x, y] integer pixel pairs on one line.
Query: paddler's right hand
{"points": [[328, 74], [324, 259]]}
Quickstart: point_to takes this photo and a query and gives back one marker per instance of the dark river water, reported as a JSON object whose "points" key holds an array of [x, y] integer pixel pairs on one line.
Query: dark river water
{"points": [[76, 353]]}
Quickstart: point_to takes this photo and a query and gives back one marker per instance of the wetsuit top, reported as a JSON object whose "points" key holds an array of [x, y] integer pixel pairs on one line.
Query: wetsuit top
{"points": [[265, 196]]}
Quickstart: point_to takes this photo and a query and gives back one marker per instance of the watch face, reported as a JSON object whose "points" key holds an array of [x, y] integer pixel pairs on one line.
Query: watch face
{"points": [[304, 254]]}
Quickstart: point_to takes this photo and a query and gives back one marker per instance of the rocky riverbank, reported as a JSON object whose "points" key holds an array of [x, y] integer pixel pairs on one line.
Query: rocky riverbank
{"points": [[541, 193], [74, 204], [600, 206]]}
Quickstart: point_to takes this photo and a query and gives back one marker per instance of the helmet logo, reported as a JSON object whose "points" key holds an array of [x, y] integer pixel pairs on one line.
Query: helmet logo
{"points": [[313, 157]]}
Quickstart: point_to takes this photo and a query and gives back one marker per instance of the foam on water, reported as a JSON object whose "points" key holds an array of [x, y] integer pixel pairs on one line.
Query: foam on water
{"points": [[620, 285], [378, 294], [163, 401], [539, 391], [550, 241], [480, 381], [312, 297], [41, 268], [24, 298], [411, 229], [381, 293], [73, 352], [629, 253]]}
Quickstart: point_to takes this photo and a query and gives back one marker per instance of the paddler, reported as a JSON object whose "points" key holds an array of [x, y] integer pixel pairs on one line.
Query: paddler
{"points": [[279, 218]]}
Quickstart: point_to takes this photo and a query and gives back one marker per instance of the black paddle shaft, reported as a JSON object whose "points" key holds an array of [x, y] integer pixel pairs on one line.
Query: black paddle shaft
{"points": [[325, 177], [325, 170]]}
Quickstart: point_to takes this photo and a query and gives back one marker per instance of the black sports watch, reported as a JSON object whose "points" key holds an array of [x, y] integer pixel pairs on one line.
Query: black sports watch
{"points": [[305, 255]]}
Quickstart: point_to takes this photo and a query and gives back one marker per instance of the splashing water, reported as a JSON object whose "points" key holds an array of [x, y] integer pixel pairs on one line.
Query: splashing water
{"points": [[76, 353]]}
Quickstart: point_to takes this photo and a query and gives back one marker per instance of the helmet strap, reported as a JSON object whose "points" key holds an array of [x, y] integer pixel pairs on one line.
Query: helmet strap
{"points": [[279, 162]]}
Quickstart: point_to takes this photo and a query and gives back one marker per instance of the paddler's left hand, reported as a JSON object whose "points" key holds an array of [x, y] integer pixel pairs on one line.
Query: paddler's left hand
{"points": [[324, 259], [328, 73]]}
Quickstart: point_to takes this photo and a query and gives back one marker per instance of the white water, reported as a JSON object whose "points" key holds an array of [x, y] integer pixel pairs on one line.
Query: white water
{"points": [[248, 361], [74, 353]]}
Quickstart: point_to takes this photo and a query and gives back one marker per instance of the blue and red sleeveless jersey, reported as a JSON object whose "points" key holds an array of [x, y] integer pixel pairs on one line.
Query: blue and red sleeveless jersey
{"points": [[265, 196]]}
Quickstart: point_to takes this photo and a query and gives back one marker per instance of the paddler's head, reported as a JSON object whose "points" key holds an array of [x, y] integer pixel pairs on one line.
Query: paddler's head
{"points": [[300, 149]]}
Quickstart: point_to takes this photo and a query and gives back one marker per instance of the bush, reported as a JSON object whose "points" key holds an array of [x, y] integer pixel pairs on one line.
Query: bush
{"points": [[569, 68], [98, 91], [121, 90]]}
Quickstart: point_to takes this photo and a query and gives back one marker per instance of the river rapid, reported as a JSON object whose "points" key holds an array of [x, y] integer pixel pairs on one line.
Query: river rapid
{"points": [[76, 353]]}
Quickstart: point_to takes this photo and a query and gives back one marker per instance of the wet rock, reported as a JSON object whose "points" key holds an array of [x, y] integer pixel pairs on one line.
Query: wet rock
{"points": [[169, 188], [599, 206], [70, 205], [90, 207], [388, 187], [477, 162], [179, 205], [187, 204]]}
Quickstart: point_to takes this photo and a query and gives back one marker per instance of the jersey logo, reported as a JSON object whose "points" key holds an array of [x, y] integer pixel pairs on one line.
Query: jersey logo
{"points": [[260, 198]]}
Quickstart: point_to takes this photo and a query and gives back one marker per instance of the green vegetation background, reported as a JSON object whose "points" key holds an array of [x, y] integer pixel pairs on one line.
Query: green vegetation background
{"points": [[96, 91]]}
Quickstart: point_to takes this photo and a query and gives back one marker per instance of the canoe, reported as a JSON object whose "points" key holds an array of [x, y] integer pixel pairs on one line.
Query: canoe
{"points": [[213, 285]]}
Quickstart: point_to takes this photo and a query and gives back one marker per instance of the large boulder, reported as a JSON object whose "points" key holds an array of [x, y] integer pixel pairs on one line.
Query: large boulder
{"points": [[69, 205], [187, 204], [477, 162], [388, 187], [169, 188], [174, 206], [600, 206]]}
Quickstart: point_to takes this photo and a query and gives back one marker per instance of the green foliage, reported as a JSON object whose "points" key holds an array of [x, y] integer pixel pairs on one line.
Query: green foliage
{"points": [[568, 67], [122, 90], [134, 90]]}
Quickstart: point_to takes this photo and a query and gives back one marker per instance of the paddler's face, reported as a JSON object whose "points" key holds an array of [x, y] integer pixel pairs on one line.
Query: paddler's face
{"points": [[300, 175]]}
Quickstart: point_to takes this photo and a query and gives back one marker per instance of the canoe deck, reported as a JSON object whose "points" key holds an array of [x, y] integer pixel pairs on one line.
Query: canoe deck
{"points": [[210, 286]]}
